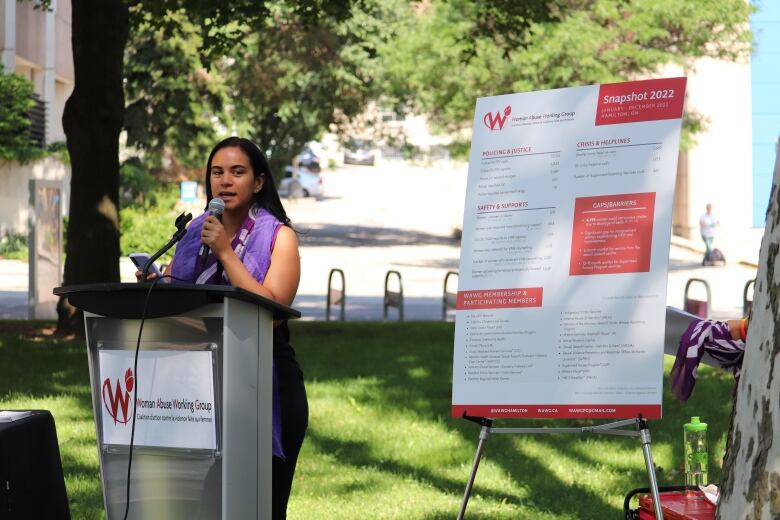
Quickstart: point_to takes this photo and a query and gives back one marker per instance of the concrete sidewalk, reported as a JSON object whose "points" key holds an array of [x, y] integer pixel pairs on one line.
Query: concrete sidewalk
{"points": [[13, 289], [398, 216], [423, 269]]}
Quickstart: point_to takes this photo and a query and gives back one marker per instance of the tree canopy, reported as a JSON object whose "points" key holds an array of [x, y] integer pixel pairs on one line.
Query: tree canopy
{"points": [[280, 71], [458, 50], [94, 114], [178, 74], [175, 103], [290, 80], [277, 76]]}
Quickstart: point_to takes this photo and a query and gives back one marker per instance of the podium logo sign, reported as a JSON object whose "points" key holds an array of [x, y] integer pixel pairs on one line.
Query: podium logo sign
{"points": [[118, 400], [173, 395], [498, 119]]}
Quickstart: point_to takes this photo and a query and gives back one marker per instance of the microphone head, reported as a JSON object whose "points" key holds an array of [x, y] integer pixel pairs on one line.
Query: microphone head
{"points": [[216, 207]]}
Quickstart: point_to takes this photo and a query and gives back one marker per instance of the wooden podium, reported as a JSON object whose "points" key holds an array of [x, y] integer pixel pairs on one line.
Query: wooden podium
{"points": [[176, 474]]}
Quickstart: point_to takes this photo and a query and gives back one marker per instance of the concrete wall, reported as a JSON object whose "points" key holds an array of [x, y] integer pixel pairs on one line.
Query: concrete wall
{"points": [[30, 33], [36, 45], [56, 108], [63, 55], [720, 165], [14, 190]]}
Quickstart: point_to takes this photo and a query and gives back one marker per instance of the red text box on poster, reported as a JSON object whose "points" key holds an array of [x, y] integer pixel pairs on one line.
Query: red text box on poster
{"points": [[636, 101], [499, 298], [612, 234]]}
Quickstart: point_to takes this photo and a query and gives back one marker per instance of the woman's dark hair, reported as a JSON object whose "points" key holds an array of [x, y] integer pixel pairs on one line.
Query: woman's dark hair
{"points": [[268, 197]]}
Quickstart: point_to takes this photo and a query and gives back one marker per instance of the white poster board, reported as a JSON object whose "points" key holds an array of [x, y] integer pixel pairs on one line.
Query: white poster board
{"points": [[562, 287], [175, 406]]}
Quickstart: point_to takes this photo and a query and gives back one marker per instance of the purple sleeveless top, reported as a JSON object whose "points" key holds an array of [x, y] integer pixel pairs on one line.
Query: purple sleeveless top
{"points": [[256, 257]]}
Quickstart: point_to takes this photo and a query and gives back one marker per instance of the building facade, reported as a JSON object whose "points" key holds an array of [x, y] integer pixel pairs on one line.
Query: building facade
{"points": [[732, 162], [36, 44]]}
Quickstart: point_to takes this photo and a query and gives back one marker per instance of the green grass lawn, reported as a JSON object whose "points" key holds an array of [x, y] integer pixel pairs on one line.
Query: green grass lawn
{"points": [[381, 442]]}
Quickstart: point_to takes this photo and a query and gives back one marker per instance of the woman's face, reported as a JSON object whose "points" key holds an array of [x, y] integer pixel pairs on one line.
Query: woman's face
{"points": [[233, 180]]}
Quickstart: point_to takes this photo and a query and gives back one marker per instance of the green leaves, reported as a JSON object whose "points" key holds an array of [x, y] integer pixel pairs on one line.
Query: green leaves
{"points": [[278, 71], [148, 225], [291, 77], [455, 51], [275, 71], [175, 104], [15, 104]]}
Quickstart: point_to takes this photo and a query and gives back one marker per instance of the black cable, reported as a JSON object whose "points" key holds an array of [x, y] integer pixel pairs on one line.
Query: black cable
{"points": [[135, 375], [181, 229]]}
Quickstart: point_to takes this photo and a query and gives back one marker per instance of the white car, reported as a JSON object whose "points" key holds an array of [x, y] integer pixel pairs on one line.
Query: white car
{"points": [[309, 184], [360, 151]]}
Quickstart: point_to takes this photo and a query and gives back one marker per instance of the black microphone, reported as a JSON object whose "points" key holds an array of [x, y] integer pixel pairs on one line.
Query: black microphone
{"points": [[216, 207]]}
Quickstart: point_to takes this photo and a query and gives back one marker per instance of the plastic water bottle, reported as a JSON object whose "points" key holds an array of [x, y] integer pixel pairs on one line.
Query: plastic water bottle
{"points": [[695, 439]]}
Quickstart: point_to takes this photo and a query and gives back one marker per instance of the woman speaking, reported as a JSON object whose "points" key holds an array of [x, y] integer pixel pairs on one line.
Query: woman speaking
{"points": [[253, 247]]}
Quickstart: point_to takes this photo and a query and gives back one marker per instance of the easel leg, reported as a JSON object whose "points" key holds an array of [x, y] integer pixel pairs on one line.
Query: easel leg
{"points": [[644, 433], [484, 434]]}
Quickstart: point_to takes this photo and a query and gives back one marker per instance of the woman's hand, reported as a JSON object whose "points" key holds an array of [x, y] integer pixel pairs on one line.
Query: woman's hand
{"points": [[738, 329], [214, 235], [149, 276]]}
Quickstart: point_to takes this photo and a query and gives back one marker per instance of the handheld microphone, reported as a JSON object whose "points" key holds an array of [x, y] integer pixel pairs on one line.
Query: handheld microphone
{"points": [[216, 207]]}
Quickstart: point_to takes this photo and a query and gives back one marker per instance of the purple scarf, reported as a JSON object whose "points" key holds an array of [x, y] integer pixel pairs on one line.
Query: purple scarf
{"points": [[253, 245], [712, 337], [210, 272], [256, 255]]}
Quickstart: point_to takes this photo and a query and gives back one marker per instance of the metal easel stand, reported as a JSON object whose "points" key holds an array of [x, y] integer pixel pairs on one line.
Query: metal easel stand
{"points": [[643, 432]]}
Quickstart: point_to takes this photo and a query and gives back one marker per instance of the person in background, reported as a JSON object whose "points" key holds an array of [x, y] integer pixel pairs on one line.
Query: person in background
{"points": [[253, 247], [707, 225]]}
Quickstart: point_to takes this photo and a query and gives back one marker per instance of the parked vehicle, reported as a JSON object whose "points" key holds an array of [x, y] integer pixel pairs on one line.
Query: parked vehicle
{"points": [[359, 151], [307, 183], [309, 160]]}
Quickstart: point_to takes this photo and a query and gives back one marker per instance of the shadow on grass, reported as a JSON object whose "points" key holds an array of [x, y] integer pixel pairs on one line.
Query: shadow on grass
{"points": [[412, 363], [358, 455], [410, 369], [39, 366], [35, 365]]}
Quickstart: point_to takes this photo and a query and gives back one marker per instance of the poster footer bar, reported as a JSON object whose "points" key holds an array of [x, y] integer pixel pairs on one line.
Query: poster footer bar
{"points": [[557, 411]]}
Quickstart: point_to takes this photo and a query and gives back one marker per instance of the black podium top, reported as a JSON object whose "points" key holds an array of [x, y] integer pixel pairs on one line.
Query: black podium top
{"points": [[126, 300]]}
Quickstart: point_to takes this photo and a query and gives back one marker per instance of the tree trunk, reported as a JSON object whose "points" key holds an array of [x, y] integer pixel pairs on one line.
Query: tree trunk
{"points": [[751, 474], [92, 121]]}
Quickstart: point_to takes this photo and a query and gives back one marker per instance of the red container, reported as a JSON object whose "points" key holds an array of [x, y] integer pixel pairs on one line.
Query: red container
{"points": [[678, 505]]}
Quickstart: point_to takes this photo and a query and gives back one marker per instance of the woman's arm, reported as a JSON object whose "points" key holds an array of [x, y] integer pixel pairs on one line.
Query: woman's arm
{"points": [[284, 274]]}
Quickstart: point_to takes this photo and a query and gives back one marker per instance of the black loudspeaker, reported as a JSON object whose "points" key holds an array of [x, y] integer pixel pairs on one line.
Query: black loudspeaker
{"points": [[31, 480]]}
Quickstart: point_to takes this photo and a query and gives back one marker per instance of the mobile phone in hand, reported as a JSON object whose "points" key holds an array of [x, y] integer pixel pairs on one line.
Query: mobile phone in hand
{"points": [[140, 259]]}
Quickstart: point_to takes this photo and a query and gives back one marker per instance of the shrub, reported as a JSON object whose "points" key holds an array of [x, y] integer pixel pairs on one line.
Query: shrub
{"points": [[13, 246], [15, 140], [459, 150], [135, 182], [59, 149], [148, 226]]}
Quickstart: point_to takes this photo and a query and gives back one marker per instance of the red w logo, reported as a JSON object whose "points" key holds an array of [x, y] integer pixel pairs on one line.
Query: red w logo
{"points": [[491, 120], [113, 401]]}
